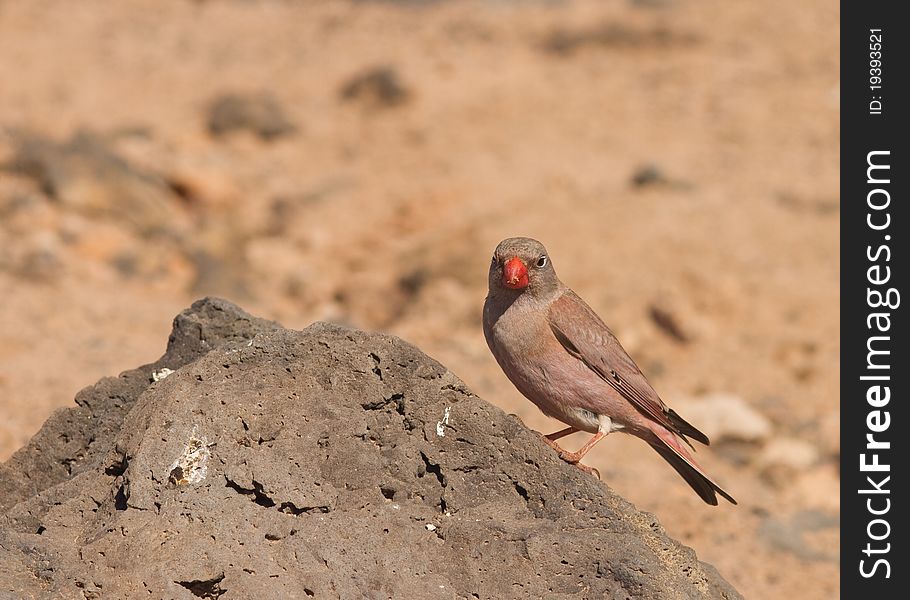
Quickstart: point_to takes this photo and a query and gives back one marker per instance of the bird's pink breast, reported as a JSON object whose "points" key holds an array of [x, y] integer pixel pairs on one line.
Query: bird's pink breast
{"points": [[562, 386]]}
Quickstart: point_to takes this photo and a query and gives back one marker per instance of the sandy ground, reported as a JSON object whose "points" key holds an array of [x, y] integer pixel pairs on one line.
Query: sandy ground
{"points": [[678, 158]]}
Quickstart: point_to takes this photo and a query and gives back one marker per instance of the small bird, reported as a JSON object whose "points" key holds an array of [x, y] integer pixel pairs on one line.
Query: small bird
{"points": [[563, 358]]}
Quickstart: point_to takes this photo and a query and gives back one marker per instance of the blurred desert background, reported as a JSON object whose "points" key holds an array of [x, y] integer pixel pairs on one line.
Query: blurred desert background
{"points": [[359, 161]]}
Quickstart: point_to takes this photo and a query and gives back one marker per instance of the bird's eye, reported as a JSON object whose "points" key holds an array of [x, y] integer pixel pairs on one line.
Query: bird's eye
{"points": [[542, 261], [493, 260]]}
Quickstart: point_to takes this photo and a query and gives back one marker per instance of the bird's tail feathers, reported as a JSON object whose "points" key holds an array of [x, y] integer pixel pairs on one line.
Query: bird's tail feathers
{"points": [[671, 449], [687, 428]]}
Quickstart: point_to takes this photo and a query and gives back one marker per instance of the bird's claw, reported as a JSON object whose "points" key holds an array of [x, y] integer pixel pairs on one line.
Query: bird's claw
{"points": [[588, 470], [583, 468], [570, 457], [574, 459]]}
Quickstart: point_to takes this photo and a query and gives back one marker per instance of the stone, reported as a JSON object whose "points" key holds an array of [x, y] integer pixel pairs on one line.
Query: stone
{"points": [[85, 174], [258, 113], [327, 462], [376, 87], [74, 439], [726, 417], [792, 453]]}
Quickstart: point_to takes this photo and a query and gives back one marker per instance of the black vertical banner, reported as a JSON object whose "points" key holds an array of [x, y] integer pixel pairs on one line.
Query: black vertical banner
{"points": [[875, 225]]}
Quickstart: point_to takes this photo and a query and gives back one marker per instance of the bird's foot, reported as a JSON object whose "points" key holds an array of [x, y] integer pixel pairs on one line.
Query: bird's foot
{"points": [[588, 470], [574, 458]]}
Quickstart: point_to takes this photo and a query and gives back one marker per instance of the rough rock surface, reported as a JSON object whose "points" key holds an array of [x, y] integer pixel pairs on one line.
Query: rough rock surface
{"points": [[325, 463]]}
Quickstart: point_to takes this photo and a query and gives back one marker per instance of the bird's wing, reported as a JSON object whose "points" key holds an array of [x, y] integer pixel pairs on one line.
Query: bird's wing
{"points": [[586, 337]]}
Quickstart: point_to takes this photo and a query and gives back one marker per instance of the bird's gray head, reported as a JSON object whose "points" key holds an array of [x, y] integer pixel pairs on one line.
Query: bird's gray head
{"points": [[521, 265]]}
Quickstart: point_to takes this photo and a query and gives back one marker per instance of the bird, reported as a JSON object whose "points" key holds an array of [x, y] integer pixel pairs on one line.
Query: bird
{"points": [[561, 355]]}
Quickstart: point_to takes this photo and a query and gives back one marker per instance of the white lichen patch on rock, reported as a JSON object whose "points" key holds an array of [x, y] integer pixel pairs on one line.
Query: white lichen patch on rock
{"points": [[161, 374], [441, 425], [190, 467]]}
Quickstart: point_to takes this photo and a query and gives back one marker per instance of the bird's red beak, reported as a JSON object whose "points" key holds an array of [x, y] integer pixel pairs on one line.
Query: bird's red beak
{"points": [[515, 274]]}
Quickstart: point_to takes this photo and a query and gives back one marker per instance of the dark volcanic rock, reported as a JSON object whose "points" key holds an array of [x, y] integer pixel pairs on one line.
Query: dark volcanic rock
{"points": [[73, 439], [326, 462]]}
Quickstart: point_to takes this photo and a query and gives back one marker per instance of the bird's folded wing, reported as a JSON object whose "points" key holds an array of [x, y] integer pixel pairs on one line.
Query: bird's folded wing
{"points": [[584, 335]]}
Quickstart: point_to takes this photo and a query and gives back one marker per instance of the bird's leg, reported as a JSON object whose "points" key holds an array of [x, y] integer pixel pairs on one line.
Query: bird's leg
{"points": [[550, 440], [574, 458], [561, 433]]}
